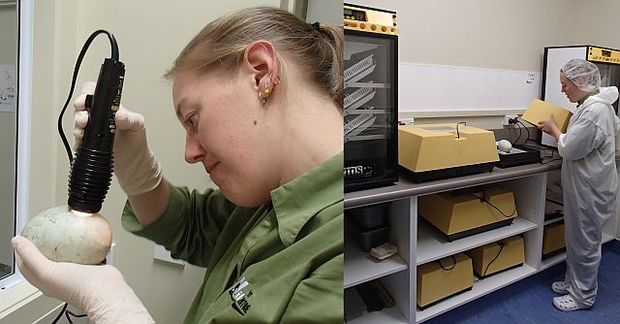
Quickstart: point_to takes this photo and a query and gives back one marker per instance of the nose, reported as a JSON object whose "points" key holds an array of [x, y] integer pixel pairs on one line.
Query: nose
{"points": [[193, 150]]}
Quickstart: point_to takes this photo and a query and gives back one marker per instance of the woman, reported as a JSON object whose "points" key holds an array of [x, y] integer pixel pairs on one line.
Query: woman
{"points": [[589, 179], [259, 94]]}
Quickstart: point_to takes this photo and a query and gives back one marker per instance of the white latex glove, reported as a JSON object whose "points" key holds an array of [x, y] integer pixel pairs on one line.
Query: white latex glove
{"points": [[99, 291], [135, 165]]}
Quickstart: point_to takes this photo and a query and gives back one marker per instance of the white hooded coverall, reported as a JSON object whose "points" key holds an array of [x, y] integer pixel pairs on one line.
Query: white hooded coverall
{"points": [[589, 185]]}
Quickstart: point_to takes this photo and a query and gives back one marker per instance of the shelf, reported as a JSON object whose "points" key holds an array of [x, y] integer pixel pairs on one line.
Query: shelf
{"points": [[554, 220], [553, 260], [359, 269], [481, 288], [432, 246], [386, 316]]}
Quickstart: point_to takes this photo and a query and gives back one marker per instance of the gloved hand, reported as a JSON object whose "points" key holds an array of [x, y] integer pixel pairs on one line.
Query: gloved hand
{"points": [[100, 291], [135, 166]]}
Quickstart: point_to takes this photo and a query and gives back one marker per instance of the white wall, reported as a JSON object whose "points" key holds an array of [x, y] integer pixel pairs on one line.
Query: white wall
{"points": [[8, 34], [493, 34], [7, 187], [8, 52], [498, 36], [324, 11], [597, 23]]}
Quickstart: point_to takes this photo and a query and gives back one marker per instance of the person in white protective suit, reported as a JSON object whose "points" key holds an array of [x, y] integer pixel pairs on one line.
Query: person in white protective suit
{"points": [[589, 179]]}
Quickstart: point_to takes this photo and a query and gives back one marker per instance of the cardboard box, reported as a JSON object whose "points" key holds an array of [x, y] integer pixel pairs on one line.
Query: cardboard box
{"points": [[489, 258], [553, 238], [444, 278], [539, 110]]}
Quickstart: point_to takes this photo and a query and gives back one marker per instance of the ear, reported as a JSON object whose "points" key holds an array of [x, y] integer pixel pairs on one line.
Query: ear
{"points": [[261, 60]]}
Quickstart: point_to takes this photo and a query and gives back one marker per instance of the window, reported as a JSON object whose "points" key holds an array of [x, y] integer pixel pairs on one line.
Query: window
{"points": [[15, 69]]}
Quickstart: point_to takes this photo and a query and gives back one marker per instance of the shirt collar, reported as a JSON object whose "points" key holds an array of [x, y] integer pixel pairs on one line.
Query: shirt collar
{"points": [[297, 201], [580, 102]]}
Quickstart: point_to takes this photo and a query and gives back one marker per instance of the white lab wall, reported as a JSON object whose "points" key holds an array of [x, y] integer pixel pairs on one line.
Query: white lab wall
{"points": [[8, 34], [476, 57], [324, 11], [491, 34], [8, 52], [597, 23], [7, 186], [150, 35]]}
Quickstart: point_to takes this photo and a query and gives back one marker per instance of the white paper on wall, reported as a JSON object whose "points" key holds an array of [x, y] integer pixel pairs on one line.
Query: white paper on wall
{"points": [[8, 88]]}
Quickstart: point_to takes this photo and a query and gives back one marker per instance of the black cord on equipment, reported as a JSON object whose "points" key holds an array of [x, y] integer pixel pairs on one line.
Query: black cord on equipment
{"points": [[458, 135], [527, 130], [76, 69], [501, 247], [497, 208]]}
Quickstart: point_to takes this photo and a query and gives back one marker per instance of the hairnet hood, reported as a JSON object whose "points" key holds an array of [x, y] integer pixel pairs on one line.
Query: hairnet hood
{"points": [[585, 75], [606, 95]]}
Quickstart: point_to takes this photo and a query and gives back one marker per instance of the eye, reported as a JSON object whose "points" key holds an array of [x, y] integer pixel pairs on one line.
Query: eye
{"points": [[192, 122]]}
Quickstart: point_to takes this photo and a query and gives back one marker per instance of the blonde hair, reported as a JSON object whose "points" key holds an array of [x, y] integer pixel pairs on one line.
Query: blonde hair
{"points": [[221, 44]]}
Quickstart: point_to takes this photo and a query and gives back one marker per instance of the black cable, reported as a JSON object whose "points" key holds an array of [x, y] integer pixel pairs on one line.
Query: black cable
{"points": [[518, 137], [75, 315], [527, 130], [551, 160], [457, 128], [497, 208], [68, 312], [76, 69], [501, 247], [64, 308], [445, 268]]}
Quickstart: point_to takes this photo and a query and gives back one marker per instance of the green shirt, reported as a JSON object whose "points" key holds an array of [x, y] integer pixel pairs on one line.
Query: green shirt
{"points": [[279, 263]]}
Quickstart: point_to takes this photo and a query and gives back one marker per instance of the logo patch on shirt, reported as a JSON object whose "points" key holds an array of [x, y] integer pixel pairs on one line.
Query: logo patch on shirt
{"points": [[239, 293]]}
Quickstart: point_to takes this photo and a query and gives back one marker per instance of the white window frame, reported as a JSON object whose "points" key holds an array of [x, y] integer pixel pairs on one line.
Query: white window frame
{"points": [[12, 288]]}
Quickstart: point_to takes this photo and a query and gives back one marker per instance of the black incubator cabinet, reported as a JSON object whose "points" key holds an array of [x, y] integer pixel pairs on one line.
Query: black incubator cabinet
{"points": [[370, 98]]}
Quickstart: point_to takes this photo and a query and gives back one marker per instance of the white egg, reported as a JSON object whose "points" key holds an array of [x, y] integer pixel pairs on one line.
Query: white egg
{"points": [[504, 145], [64, 236]]}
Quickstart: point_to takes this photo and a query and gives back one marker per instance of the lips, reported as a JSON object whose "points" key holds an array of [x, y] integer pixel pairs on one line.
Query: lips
{"points": [[210, 167]]}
